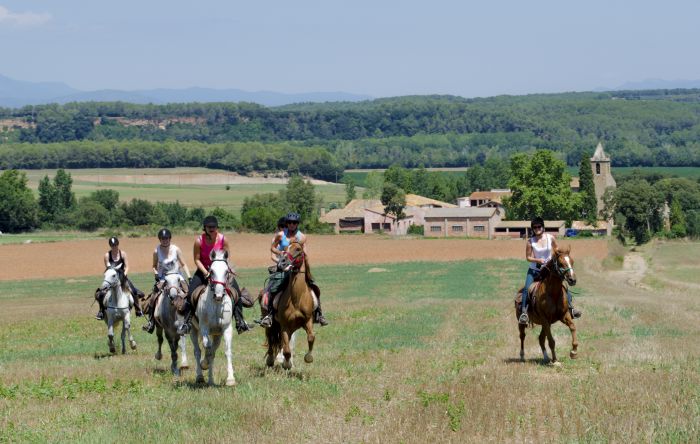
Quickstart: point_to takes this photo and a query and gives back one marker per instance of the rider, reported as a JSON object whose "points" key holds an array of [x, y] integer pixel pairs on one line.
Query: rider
{"points": [[280, 243], [164, 256], [538, 251], [204, 244], [115, 258]]}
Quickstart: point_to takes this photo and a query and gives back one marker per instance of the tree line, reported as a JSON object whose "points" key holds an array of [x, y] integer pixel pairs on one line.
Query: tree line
{"points": [[638, 128]]}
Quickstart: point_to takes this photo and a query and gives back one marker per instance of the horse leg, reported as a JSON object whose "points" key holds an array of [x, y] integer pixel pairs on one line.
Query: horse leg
{"points": [[110, 333], [550, 340], [123, 336], [194, 336], [183, 352], [522, 341], [310, 337], [132, 342], [541, 339], [286, 351], [173, 343], [159, 335], [206, 343], [210, 354], [573, 354], [228, 338]]}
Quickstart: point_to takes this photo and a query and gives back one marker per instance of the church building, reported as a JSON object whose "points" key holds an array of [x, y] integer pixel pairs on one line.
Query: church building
{"points": [[602, 177]]}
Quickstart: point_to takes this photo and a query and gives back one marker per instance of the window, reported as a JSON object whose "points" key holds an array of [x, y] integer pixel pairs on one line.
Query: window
{"points": [[479, 228], [435, 228], [597, 168], [375, 226], [386, 227], [459, 228]]}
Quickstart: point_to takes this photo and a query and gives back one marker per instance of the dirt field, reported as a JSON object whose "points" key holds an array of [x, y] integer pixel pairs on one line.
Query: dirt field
{"points": [[84, 258]]}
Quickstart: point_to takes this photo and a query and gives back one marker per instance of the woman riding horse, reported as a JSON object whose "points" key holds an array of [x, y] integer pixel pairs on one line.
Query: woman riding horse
{"points": [[538, 251], [276, 281], [116, 258]]}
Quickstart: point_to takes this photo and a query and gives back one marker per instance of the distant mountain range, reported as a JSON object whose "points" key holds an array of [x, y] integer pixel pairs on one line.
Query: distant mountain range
{"points": [[17, 93]]}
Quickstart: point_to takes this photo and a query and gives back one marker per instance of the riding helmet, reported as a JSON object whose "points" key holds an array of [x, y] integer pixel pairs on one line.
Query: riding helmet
{"points": [[164, 233], [281, 223], [293, 217], [113, 241], [210, 220], [537, 221]]}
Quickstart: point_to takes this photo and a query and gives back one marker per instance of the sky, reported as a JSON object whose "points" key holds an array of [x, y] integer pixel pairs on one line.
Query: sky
{"points": [[376, 47]]}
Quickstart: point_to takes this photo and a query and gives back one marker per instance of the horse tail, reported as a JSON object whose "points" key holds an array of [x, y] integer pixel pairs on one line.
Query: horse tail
{"points": [[274, 338]]}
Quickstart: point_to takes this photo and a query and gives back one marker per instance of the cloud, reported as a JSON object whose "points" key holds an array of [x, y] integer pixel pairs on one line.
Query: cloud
{"points": [[22, 18]]}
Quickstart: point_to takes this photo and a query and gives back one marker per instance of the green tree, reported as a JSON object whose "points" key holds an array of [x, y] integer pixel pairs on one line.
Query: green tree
{"points": [[300, 197], [641, 205], [63, 182], [48, 202], [394, 200], [350, 193], [587, 198], [109, 199], [678, 222], [18, 209], [138, 211], [373, 186], [260, 212], [540, 186], [91, 215]]}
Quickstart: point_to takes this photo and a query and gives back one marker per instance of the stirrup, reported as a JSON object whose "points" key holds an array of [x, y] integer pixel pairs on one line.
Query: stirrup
{"points": [[266, 321], [149, 327], [321, 320], [575, 313], [100, 316], [523, 319], [184, 328]]}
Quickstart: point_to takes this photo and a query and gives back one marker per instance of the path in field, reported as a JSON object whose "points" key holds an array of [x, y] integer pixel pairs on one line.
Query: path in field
{"points": [[84, 258]]}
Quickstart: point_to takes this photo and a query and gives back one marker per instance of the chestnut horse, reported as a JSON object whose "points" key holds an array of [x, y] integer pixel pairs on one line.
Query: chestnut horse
{"points": [[550, 303], [294, 309]]}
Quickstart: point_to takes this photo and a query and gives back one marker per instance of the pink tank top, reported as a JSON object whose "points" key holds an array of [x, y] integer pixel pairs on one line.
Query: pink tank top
{"points": [[205, 249]]}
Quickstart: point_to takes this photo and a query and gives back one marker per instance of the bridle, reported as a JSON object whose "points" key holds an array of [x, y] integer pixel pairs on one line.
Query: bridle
{"points": [[112, 286], [561, 271], [213, 282], [296, 260]]}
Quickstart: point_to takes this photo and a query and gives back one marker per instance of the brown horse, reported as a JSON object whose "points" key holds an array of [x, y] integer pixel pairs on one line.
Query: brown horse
{"points": [[294, 310], [550, 303]]}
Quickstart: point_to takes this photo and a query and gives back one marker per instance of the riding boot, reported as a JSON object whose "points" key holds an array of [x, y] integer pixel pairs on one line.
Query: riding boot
{"points": [[100, 314], [575, 313], [267, 312], [187, 323], [524, 319], [241, 324], [318, 316], [150, 315]]}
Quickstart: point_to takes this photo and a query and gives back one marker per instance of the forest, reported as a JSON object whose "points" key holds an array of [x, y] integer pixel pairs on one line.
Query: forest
{"points": [[637, 128]]}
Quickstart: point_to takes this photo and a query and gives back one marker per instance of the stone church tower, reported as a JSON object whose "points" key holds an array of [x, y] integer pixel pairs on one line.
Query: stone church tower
{"points": [[602, 177]]}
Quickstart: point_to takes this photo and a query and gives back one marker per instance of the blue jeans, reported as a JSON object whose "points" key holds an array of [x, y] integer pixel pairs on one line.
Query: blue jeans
{"points": [[529, 279]]}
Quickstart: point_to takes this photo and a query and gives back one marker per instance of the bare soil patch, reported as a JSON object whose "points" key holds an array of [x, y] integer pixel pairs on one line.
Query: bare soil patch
{"points": [[84, 258]]}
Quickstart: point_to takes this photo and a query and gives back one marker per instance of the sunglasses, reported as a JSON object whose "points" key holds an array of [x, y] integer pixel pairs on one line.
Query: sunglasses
{"points": [[211, 227], [537, 227]]}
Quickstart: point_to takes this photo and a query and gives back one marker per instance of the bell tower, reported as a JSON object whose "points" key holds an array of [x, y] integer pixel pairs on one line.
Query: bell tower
{"points": [[602, 177]]}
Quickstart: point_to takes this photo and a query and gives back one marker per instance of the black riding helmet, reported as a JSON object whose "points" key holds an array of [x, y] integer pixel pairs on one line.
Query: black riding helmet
{"points": [[210, 220], [537, 221], [113, 241], [293, 217], [164, 233], [282, 222]]}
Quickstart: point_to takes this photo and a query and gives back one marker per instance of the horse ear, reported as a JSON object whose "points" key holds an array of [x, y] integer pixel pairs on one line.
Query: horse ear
{"points": [[212, 255], [226, 254]]}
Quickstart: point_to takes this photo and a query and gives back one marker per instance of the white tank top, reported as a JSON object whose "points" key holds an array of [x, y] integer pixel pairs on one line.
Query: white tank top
{"points": [[167, 262], [541, 253]]}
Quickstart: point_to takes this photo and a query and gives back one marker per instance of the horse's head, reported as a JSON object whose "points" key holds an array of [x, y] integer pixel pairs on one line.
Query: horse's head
{"points": [[563, 265], [219, 273], [172, 279], [294, 255], [113, 277]]}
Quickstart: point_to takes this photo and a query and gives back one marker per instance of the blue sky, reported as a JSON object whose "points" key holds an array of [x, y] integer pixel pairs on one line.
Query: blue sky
{"points": [[379, 48]]}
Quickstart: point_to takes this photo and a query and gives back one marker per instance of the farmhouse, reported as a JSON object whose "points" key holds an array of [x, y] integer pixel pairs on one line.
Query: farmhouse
{"points": [[468, 221], [515, 229]]}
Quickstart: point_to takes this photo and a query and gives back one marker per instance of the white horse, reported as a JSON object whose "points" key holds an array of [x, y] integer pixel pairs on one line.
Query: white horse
{"points": [[166, 319], [213, 320], [117, 301]]}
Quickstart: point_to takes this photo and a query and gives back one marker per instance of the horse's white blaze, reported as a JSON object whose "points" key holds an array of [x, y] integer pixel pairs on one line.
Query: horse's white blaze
{"points": [[214, 313], [571, 273]]}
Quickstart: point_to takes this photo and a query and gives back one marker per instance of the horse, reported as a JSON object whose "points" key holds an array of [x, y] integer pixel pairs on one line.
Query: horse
{"points": [[117, 300], [550, 303], [213, 318], [166, 318], [294, 309]]}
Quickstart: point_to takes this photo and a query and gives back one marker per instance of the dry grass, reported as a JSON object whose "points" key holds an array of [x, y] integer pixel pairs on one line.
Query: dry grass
{"points": [[424, 351]]}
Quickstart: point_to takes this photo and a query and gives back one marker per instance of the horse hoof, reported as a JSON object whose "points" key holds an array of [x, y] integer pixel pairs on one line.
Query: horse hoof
{"points": [[556, 364], [204, 364], [200, 379], [133, 345], [308, 358], [231, 382], [158, 356], [287, 365], [270, 360], [573, 354], [112, 349], [184, 366]]}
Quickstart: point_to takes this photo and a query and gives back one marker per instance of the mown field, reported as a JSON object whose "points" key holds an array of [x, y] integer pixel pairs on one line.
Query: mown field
{"points": [[85, 181], [421, 351]]}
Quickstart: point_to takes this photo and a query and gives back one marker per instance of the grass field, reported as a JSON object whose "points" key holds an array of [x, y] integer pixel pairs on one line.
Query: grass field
{"points": [[189, 195], [415, 352]]}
